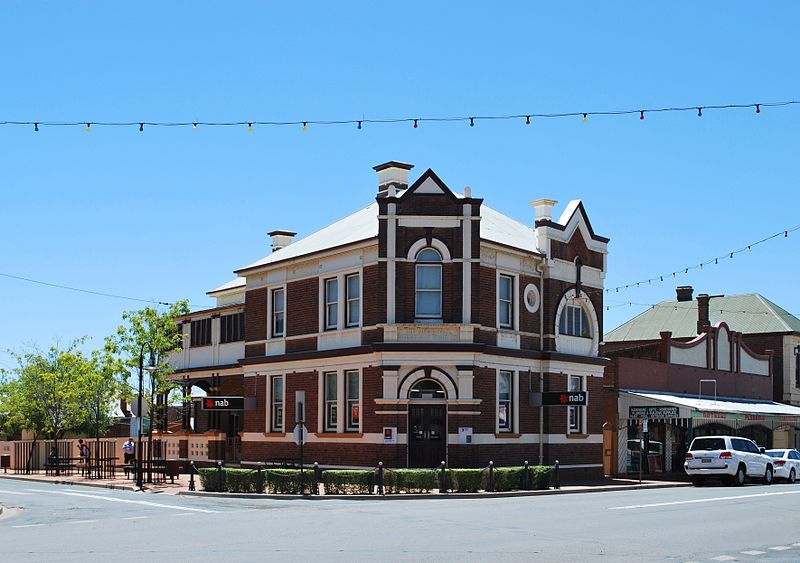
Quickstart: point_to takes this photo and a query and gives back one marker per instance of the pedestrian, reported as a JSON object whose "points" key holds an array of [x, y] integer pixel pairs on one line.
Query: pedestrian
{"points": [[83, 449], [128, 448]]}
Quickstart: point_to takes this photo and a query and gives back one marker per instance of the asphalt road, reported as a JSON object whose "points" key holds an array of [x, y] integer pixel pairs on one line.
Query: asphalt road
{"points": [[46, 522]]}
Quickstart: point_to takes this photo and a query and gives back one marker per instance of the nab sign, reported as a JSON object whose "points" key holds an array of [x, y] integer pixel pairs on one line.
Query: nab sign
{"points": [[223, 403], [565, 399]]}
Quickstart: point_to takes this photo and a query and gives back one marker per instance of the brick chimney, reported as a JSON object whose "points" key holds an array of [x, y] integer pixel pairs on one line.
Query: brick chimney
{"points": [[281, 239], [702, 312], [392, 176], [684, 292]]}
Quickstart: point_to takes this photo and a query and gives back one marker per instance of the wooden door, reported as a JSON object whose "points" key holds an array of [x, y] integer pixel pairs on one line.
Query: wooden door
{"points": [[427, 435]]}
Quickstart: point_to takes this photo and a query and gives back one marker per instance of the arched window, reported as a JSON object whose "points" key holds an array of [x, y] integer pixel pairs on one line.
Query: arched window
{"points": [[429, 284], [574, 321], [426, 389]]}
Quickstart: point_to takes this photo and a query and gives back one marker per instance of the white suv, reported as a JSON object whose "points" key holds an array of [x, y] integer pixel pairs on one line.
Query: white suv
{"points": [[730, 458]]}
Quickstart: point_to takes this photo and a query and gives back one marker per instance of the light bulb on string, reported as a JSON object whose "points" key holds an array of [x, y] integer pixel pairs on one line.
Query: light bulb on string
{"points": [[686, 271], [527, 120], [701, 265], [415, 124], [661, 278], [305, 126], [88, 127], [731, 255], [749, 249], [785, 233], [758, 108], [584, 118], [699, 112], [472, 122], [35, 126], [641, 115], [249, 127], [359, 125], [194, 126], [141, 127], [716, 261]]}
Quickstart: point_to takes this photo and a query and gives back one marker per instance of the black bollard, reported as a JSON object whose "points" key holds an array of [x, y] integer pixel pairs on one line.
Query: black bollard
{"points": [[381, 490], [192, 471], [220, 478], [490, 485], [443, 479], [526, 476], [556, 476], [260, 478], [317, 479]]}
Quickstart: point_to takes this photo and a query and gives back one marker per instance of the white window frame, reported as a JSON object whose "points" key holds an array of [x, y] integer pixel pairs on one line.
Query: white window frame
{"points": [[330, 406], [417, 290], [512, 304], [273, 312], [331, 302], [342, 403], [348, 299], [349, 402], [273, 404], [576, 383], [571, 319], [511, 413]]}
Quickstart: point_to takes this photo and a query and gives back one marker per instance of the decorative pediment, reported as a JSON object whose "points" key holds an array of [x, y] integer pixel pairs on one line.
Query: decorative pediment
{"points": [[429, 183]]}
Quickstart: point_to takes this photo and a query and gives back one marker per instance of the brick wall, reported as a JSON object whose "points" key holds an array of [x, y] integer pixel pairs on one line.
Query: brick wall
{"points": [[374, 294], [302, 307], [256, 316]]}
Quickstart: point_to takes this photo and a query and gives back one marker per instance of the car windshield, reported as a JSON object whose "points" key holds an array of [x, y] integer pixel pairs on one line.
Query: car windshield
{"points": [[708, 444], [773, 453]]}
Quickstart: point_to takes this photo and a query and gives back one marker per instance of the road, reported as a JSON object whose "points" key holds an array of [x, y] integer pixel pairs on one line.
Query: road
{"points": [[46, 522]]}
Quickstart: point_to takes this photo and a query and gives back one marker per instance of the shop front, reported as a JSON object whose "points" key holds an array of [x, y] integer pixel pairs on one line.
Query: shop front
{"points": [[655, 429]]}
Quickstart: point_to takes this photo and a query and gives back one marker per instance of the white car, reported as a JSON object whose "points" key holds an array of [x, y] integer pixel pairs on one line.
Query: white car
{"points": [[786, 463], [729, 458]]}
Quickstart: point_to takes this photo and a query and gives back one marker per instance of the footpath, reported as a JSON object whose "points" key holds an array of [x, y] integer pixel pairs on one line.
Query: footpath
{"points": [[181, 487]]}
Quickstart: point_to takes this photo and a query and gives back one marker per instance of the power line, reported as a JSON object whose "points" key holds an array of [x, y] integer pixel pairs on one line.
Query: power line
{"points": [[414, 121], [674, 306]]}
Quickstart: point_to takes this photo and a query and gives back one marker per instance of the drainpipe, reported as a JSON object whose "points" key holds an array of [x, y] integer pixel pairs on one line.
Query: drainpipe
{"points": [[541, 269]]}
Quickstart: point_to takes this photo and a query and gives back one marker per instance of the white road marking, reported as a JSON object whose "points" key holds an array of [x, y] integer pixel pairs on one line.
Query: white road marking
{"points": [[183, 514], [13, 493], [780, 547], [143, 502], [28, 526], [678, 502], [796, 544], [753, 552], [134, 518], [723, 558], [81, 521]]}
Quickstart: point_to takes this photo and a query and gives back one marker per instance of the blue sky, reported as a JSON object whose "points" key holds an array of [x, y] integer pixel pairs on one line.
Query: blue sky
{"points": [[170, 213]]}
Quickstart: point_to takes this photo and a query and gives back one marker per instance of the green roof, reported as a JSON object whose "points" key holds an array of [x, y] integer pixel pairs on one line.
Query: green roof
{"points": [[749, 314]]}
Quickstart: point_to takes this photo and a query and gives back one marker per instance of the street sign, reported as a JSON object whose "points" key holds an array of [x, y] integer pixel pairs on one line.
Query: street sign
{"points": [[223, 403], [300, 409], [297, 433], [639, 413], [565, 399], [135, 407]]}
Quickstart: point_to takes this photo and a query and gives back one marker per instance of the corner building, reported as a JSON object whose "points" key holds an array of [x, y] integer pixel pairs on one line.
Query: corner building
{"points": [[421, 329]]}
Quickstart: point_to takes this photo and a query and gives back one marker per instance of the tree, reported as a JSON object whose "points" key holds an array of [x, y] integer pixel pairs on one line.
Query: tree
{"points": [[43, 393], [147, 338]]}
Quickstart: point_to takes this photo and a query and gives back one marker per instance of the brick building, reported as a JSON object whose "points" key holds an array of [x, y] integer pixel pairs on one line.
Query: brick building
{"points": [[691, 367], [421, 328]]}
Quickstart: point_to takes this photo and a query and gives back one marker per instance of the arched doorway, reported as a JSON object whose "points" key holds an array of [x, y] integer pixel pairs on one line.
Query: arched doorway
{"points": [[427, 424]]}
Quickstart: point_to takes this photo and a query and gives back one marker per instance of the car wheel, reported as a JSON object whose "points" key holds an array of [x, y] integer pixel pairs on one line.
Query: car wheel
{"points": [[698, 481], [768, 475], [739, 478], [792, 476]]}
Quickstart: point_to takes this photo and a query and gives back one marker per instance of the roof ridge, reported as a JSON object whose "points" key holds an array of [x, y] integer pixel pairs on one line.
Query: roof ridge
{"points": [[776, 310]]}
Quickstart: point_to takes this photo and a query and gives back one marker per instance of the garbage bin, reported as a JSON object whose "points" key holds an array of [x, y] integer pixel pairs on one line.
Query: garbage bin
{"points": [[172, 468], [5, 462]]}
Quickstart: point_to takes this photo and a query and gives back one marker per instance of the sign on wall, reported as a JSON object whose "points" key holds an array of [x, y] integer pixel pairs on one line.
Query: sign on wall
{"points": [[565, 398], [223, 403], [390, 434], [639, 413], [465, 434]]}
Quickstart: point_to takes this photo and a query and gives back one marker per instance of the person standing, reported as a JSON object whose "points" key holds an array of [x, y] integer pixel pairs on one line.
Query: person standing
{"points": [[83, 450]]}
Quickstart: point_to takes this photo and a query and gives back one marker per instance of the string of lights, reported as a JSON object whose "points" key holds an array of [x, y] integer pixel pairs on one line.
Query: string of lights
{"points": [[677, 306], [415, 122], [713, 261]]}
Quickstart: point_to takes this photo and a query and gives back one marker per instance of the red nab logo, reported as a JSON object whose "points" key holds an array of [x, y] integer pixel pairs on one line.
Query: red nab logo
{"points": [[209, 403], [563, 399]]}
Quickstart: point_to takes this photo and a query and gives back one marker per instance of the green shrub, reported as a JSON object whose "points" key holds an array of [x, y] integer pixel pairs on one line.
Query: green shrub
{"points": [[345, 482], [285, 481], [465, 480], [409, 480], [240, 480], [511, 478], [209, 479]]}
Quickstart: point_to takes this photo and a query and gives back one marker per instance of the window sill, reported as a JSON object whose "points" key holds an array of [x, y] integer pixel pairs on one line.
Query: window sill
{"points": [[275, 434], [577, 436], [507, 435], [199, 345], [335, 435]]}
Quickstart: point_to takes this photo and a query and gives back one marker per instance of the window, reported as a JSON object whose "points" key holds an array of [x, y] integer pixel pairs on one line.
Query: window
{"points": [[429, 284], [331, 304], [331, 395], [574, 322], [575, 414], [277, 404], [353, 407], [353, 287], [426, 389], [505, 384], [505, 301], [231, 327], [201, 332], [278, 318]]}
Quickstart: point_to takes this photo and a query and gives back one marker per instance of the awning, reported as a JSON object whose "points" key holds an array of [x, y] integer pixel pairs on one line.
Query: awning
{"points": [[654, 406]]}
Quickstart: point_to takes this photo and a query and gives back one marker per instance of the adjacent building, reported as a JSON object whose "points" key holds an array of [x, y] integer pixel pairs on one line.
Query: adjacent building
{"points": [[691, 367], [419, 329]]}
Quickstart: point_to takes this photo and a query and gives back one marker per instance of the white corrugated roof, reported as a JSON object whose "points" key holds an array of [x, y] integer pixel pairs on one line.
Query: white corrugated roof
{"points": [[363, 225], [233, 284], [721, 405]]}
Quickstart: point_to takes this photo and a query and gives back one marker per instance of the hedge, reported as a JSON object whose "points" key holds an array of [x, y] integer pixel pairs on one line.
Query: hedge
{"points": [[359, 482]]}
